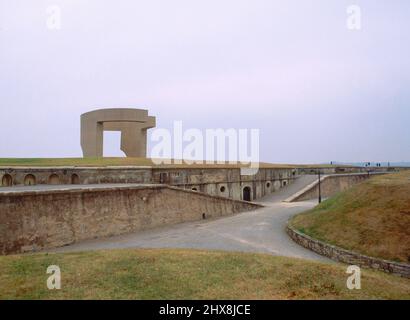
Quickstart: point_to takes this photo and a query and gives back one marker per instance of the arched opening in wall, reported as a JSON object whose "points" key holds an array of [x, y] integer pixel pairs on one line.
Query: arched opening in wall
{"points": [[268, 184], [246, 194], [29, 180], [222, 189], [75, 179], [112, 144], [284, 183], [7, 181], [54, 179], [163, 177], [194, 189]]}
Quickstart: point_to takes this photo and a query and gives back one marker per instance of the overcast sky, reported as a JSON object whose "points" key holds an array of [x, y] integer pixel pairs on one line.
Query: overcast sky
{"points": [[316, 90]]}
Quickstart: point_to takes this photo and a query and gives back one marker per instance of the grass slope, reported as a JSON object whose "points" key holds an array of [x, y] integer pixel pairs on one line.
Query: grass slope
{"points": [[102, 162], [187, 274], [372, 218]]}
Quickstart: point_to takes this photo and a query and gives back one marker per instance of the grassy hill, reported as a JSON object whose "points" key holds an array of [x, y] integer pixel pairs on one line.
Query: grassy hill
{"points": [[103, 162], [187, 274], [372, 218]]}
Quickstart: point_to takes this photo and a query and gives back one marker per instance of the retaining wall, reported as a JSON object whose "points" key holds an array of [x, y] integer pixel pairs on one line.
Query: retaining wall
{"points": [[225, 182], [329, 185], [346, 256], [34, 220]]}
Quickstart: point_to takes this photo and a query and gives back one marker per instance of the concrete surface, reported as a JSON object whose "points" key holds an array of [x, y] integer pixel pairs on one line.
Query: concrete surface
{"points": [[36, 220], [64, 187], [132, 123], [261, 230], [330, 185], [226, 182]]}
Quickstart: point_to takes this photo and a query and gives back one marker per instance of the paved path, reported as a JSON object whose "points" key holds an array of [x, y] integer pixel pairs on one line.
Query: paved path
{"points": [[261, 230]]}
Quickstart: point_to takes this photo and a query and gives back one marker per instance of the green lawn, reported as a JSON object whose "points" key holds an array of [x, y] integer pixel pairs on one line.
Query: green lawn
{"points": [[45, 162], [187, 274], [101, 162], [372, 218]]}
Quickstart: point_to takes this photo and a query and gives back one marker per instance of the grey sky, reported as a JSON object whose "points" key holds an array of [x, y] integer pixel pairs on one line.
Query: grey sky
{"points": [[316, 90]]}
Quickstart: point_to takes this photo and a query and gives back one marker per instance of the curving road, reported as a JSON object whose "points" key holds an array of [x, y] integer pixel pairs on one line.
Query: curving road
{"points": [[261, 230]]}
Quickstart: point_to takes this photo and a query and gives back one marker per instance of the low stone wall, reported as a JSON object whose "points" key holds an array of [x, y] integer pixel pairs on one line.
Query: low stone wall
{"points": [[330, 185], [346, 256], [225, 182], [76, 175], [340, 169], [34, 220]]}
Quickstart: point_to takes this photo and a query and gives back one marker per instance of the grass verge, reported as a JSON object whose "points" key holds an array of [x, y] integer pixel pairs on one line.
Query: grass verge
{"points": [[187, 274], [111, 161], [372, 218]]}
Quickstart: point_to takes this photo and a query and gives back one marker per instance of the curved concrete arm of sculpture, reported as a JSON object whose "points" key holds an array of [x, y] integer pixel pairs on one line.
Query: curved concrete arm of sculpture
{"points": [[132, 123]]}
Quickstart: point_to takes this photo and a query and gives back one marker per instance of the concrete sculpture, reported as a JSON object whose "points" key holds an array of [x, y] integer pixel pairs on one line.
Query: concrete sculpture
{"points": [[132, 123]]}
